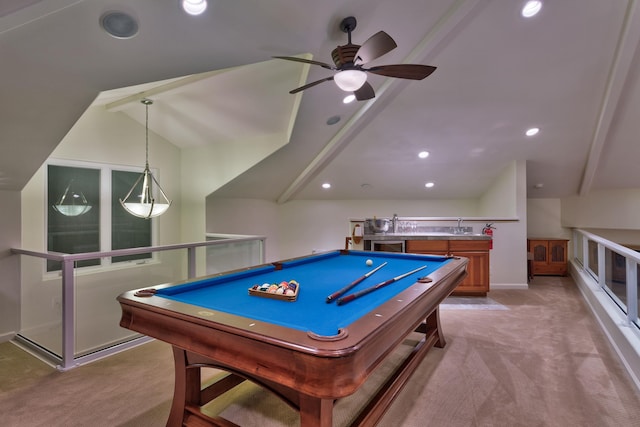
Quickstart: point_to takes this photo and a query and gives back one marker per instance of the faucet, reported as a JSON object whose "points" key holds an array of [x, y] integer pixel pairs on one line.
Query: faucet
{"points": [[395, 223], [459, 227], [459, 222]]}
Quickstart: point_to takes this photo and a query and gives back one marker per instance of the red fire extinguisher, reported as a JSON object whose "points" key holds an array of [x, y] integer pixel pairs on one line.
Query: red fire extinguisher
{"points": [[488, 230]]}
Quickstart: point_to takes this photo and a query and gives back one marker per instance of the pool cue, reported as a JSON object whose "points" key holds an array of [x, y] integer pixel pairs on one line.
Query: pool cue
{"points": [[358, 294], [336, 294]]}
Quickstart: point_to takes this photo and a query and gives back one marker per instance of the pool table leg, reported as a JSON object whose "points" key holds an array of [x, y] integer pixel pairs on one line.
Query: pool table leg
{"points": [[432, 323], [315, 412], [186, 389]]}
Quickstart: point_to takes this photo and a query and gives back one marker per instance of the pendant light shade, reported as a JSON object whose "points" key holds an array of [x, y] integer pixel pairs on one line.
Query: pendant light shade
{"points": [[146, 198], [72, 202]]}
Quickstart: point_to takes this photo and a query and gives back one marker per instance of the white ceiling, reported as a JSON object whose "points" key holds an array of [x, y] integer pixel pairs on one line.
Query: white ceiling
{"points": [[573, 71]]}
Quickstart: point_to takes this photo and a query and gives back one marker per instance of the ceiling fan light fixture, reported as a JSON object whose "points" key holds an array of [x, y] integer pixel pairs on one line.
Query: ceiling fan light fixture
{"points": [[350, 80]]}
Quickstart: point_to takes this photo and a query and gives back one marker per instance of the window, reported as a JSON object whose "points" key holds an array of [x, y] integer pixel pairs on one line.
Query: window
{"points": [[127, 231], [84, 213]]}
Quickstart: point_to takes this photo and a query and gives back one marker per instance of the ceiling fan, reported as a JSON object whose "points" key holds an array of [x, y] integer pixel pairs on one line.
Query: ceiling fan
{"points": [[349, 59]]}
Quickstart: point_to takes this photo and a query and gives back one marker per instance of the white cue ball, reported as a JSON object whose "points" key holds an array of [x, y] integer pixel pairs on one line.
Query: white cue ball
{"points": [[369, 262]]}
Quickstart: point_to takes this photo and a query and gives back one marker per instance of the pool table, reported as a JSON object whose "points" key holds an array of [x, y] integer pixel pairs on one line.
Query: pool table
{"points": [[307, 349]]}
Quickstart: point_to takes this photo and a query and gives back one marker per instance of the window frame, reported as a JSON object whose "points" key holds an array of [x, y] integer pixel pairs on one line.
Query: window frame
{"points": [[105, 225]]}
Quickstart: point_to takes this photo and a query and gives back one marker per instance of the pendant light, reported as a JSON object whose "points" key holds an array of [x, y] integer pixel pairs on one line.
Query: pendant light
{"points": [[140, 200], [72, 202]]}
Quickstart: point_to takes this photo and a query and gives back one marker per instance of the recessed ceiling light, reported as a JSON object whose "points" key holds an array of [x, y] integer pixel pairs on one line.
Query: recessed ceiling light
{"points": [[531, 8], [538, 186], [429, 184], [326, 185], [532, 131], [349, 99], [194, 7], [333, 120], [119, 24], [423, 154]]}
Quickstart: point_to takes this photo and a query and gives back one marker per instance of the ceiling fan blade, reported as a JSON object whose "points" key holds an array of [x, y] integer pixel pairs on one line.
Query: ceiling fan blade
{"points": [[306, 61], [307, 86], [375, 46], [365, 92], [403, 71]]}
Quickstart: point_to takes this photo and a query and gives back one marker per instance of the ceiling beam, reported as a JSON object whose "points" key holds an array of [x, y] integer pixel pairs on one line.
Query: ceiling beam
{"points": [[623, 58], [446, 26], [171, 85]]}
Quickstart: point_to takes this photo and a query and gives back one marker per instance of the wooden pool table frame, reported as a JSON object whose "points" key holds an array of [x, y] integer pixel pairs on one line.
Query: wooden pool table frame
{"points": [[289, 362]]}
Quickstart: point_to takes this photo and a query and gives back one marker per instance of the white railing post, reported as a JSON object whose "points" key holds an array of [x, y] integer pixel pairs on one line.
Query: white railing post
{"points": [[191, 262], [632, 290], [68, 315], [585, 253], [601, 265]]}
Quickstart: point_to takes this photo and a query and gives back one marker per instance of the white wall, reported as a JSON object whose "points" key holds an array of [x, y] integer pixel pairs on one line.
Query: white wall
{"points": [[9, 264], [309, 226], [205, 169], [501, 198], [545, 219], [614, 209], [246, 216], [507, 198], [612, 214], [301, 227]]}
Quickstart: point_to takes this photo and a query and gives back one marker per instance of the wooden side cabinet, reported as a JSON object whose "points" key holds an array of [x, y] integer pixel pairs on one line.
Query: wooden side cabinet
{"points": [[549, 256], [477, 281]]}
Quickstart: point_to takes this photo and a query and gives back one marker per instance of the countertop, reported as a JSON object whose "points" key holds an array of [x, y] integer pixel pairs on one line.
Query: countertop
{"points": [[424, 236]]}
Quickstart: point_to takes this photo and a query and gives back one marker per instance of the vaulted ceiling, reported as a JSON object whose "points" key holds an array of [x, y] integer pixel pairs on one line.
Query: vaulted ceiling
{"points": [[572, 71]]}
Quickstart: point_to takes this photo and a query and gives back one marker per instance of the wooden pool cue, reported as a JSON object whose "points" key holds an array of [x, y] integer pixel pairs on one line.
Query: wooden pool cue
{"points": [[358, 294], [336, 294]]}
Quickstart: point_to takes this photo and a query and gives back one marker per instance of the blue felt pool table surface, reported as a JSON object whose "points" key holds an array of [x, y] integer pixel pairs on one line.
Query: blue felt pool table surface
{"points": [[318, 276]]}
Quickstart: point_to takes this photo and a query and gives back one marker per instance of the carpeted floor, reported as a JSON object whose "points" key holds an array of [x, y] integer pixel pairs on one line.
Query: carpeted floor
{"points": [[526, 358]]}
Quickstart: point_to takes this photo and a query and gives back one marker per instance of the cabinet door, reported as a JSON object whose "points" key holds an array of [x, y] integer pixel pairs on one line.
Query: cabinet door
{"points": [[540, 251], [557, 251], [477, 282], [539, 248], [557, 257]]}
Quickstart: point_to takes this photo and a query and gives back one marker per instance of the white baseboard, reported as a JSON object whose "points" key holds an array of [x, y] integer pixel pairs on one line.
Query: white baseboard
{"points": [[7, 336], [509, 286]]}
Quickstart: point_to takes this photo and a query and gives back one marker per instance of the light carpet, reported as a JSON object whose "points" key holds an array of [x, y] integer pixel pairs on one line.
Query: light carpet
{"points": [[542, 362]]}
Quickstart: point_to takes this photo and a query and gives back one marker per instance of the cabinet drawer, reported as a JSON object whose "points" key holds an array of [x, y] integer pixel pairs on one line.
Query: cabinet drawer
{"points": [[468, 245], [427, 245]]}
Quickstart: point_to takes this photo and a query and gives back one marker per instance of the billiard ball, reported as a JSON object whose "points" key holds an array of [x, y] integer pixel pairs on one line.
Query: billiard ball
{"points": [[369, 262]]}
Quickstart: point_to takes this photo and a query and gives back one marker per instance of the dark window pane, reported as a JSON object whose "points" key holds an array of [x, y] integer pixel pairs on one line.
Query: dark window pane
{"points": [[73, 212], [127, 231]]}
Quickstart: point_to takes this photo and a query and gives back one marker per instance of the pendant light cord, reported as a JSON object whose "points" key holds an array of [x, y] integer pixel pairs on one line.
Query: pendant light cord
{"points": [[146, 103]]}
